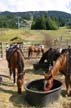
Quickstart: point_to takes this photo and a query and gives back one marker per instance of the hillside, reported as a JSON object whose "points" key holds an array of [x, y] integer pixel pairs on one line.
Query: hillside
{"points": [[36, 13], [24, 19], [59, 14]]}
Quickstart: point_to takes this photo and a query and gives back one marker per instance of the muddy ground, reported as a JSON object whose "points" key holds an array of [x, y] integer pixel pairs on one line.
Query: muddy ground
{"points": [[9, 98]]}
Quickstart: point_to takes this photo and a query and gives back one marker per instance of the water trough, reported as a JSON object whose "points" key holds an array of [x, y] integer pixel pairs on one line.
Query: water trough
{"points": [[40, 65], [37, 97]]}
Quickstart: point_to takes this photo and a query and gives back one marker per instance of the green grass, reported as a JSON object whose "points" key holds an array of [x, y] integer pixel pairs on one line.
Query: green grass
{"points": [[34, 35]]}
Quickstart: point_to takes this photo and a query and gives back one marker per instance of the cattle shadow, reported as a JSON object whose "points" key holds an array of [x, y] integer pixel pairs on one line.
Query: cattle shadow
{"points": [[17, 100]]}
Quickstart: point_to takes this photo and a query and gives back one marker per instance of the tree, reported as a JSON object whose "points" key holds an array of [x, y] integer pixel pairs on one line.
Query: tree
{"points": [[44, 22], [39, 23], [51, 24]]}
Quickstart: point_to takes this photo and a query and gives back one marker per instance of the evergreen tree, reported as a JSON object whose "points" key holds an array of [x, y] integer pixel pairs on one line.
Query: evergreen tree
{"points": [[39, 23], [44, 22]]}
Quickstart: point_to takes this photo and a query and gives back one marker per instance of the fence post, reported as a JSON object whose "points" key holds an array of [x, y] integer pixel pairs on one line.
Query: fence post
{"points": [[1, 53]]}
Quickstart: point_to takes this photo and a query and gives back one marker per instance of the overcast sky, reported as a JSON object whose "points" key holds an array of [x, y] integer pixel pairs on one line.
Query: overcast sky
{"points": [[35, 5]]}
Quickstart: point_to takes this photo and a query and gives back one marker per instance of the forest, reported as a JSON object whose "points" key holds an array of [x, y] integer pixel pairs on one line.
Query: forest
{"points": [[46, 20]]}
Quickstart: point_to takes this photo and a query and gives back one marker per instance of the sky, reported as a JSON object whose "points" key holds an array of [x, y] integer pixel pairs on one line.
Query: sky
{"points": [[35, 5]]}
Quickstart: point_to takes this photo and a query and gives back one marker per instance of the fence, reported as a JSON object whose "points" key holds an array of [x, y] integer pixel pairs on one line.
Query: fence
{"points": [[24, 46], [1, 51], [3, 47]]}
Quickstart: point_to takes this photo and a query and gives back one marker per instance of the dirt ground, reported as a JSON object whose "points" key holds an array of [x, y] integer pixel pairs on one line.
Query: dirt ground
{"points": [[9, 98]]}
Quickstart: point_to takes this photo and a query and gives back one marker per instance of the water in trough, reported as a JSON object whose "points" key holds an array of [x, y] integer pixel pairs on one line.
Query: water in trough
{"points": [[35, 94]]}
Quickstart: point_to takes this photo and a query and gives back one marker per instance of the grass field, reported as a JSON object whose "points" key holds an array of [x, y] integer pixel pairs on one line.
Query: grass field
{"points": [[35, 35]]}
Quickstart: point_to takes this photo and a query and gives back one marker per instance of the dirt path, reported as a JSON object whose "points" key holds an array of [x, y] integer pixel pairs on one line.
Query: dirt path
{"points": [[9, 98]]}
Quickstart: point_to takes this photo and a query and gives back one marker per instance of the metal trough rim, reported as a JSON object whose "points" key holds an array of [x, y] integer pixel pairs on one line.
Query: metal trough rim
{"points": [[40, 92]]}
